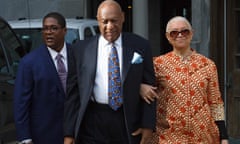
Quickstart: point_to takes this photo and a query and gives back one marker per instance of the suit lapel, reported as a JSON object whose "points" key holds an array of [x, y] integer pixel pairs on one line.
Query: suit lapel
{"points": [[69, 53], [50, 68], [90, 55], [127, 56], [89, 66]]}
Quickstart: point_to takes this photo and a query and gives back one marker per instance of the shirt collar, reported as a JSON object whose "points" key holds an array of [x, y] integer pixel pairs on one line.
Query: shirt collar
{"points": [[54, 53], [117, 42]]}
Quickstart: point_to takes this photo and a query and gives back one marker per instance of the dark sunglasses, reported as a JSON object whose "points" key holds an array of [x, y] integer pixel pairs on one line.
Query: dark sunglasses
{"points": [[184, 32]]}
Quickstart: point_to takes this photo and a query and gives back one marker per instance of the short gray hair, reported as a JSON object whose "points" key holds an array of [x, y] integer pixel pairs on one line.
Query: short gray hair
{"points": [[178, 18]]}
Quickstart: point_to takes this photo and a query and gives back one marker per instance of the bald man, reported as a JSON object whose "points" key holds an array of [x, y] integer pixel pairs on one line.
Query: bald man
{"points": [[91, 115]]}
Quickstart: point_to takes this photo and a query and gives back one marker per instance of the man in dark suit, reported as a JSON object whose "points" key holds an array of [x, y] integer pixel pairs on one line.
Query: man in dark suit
{"points": [[39, 93], [91, 115]]}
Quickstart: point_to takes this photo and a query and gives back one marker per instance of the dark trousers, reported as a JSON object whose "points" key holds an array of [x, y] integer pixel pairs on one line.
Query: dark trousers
{"points": [[102, 125]]}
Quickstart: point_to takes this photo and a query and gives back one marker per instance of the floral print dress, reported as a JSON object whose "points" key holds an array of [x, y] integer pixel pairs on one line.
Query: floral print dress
{"points": [[190, 103]]}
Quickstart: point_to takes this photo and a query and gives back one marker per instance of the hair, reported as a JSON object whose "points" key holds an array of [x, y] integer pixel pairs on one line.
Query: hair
{"points": [[178, 18], [59, 17]]}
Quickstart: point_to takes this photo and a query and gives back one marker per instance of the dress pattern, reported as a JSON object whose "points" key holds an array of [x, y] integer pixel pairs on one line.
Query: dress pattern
{"points": [[190, 103]]}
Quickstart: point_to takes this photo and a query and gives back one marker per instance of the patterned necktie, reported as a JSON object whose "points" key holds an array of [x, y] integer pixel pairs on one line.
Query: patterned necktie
{"points": [[61, 71], [114, 80]]}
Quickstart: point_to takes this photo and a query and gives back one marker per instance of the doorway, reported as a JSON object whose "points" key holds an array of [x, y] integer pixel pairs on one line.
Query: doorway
{"points": [[169, 9], [233, 68]]}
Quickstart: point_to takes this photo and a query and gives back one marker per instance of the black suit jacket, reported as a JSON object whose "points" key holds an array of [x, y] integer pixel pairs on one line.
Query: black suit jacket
{"points": [[81, 80]]}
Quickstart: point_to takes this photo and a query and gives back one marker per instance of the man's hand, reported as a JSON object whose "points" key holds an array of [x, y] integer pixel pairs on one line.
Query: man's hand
{"points": [[224, 141], [146, 135], [148, 93], [68, 140]]}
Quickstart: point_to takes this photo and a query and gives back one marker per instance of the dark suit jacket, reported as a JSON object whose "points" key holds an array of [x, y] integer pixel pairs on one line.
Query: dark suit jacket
{"points": [[39, 99], [82, 76]]}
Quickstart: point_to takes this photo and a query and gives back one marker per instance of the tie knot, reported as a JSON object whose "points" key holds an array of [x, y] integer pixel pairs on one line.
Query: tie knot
{"points": [[60, 64], [59, 57], [113, 45]]}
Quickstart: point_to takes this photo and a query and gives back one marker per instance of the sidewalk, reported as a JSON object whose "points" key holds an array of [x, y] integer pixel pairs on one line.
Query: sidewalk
{"points": [[231, 141], [234, 141]]}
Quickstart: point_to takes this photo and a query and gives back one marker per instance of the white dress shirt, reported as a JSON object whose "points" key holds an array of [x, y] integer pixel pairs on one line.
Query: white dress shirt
{"points": [[63, 52], [101, 81]]}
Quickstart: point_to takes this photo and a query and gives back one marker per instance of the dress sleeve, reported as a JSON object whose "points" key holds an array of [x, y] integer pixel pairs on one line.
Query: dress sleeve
{"points": [[214, 96], [216, 103]]}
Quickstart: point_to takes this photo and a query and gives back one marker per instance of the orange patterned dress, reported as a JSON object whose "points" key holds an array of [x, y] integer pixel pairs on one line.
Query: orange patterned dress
{"points": [[190, 103]]}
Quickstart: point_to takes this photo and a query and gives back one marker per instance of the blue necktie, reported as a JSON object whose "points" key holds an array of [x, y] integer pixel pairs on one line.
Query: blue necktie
{"points": [[61, 71], [114, 80]]}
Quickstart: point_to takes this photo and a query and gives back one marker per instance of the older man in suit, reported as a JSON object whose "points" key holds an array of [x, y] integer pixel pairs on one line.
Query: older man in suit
{"points": [[39, 93], [103, 105]]}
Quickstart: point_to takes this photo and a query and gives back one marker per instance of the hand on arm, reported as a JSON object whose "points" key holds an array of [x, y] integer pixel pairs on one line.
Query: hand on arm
{"points": [[148, 93], [146, 134]]}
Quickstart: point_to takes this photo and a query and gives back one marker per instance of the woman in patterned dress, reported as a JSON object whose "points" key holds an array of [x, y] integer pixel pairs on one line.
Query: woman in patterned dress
{"points": [[189, 106]]}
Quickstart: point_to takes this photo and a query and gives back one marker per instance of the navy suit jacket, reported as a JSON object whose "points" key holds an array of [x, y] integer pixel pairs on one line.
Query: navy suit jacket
{"points": [[39, 99], [137, 113]]}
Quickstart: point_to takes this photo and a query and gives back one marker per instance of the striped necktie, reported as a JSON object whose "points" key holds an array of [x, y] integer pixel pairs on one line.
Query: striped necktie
{"points": [[61, 71]]}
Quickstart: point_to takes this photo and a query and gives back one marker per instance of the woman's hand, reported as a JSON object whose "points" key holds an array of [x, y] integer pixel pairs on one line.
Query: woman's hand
{"points": [[148, 93]]}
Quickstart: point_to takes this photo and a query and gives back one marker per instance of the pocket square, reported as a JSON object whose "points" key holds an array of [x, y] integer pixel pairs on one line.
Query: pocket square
{"points": [[137, 58]]}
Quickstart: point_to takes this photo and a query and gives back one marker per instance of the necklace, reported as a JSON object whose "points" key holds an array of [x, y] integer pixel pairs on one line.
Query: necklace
{"points": [[184, 57]]}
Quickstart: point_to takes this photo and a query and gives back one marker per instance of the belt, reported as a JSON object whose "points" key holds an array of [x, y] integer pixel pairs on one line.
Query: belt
{"points": [[99, 106]]}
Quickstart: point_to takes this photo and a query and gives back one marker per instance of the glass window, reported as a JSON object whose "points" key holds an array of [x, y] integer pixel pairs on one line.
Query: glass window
{"points": [[30, 38], [11, 49], [96, 28], [72, 36], [3, 64], [87, 33]]}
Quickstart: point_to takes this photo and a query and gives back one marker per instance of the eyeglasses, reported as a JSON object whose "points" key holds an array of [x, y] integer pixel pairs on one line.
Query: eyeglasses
{"points": [[51, 28], [184, 32]]}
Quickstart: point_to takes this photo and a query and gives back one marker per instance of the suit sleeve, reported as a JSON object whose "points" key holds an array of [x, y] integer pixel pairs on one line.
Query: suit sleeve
{"points": [[22, 100], [149, 110], [71, 104]]}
